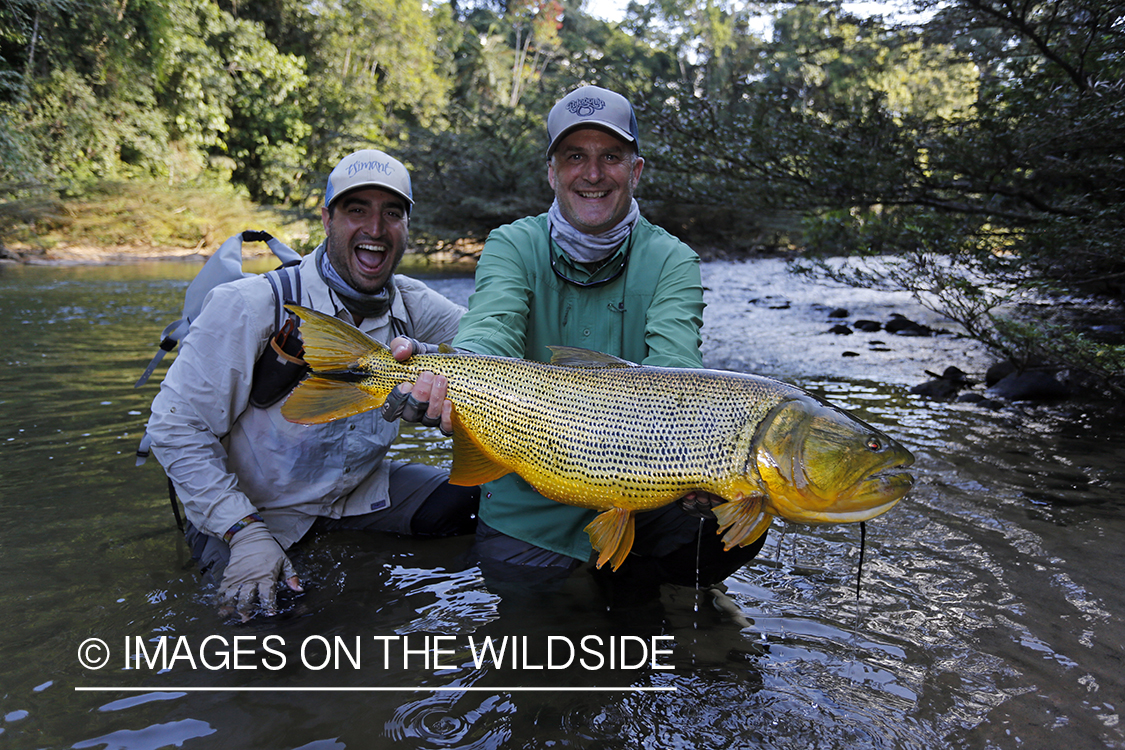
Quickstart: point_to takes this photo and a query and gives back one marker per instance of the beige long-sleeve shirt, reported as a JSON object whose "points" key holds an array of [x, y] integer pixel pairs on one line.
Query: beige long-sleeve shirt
{"points": [[228, 459]]}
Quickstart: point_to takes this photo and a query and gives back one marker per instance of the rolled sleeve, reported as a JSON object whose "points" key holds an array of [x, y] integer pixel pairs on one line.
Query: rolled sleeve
{"points": [[675, 315], [500, 306]]}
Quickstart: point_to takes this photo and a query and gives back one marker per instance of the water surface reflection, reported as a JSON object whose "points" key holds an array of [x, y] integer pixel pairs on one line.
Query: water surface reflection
{"points": [[989, 614]]}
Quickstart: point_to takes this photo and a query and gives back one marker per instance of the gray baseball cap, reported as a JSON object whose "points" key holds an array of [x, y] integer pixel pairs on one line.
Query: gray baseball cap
{"points": [[369, 168], [592, 107]]}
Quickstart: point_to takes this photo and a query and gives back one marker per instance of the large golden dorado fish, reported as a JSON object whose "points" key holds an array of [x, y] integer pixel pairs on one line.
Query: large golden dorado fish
{"points": [[598, 432]]}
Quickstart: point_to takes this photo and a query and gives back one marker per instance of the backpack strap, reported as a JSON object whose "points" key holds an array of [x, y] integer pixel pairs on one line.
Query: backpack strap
{"points": [[280, 366]]}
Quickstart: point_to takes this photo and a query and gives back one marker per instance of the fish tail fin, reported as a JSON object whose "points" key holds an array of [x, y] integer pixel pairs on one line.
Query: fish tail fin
{"points": [[332, 347], [611, 534], [331, 344], [319, 400], [744, 520]]}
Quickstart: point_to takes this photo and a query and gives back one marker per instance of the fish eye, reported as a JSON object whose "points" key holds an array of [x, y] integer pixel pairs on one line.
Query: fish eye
{"points": [[874, 444]]}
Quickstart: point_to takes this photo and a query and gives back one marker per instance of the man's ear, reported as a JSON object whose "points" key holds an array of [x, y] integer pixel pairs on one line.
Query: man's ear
{"points": [[638, 167], [325, 217]]}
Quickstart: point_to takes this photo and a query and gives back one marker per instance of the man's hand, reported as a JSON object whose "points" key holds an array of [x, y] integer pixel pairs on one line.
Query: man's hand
{"points": [[404, 347], [423, 401], [699, 503], [257, 563]]}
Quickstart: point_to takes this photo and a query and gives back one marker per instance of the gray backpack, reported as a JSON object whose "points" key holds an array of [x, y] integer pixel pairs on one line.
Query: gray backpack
{"points": [[280, 367]]}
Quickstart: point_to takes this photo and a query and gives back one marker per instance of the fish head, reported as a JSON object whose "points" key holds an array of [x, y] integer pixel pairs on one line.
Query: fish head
{"points": [[819, 464]]}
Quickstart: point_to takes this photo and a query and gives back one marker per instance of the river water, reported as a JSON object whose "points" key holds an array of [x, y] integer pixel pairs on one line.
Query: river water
{"points": [[989, 613]]}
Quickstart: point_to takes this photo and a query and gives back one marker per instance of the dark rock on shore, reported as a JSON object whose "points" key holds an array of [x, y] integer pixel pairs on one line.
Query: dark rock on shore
{"points": [[1030, 385], [944, 387], [900, 325]]}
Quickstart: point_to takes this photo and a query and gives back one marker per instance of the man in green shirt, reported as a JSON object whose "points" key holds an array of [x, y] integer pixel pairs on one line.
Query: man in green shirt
{"points": [[592, 273]]}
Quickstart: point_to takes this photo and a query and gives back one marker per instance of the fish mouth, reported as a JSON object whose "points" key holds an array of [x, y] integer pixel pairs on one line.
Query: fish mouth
{"points": [[870, 497], [822, 466]]}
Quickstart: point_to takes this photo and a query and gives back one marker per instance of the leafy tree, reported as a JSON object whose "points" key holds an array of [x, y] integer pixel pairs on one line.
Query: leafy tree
{"points": [[536, 24], [984, 149], [232, 96], [1020, 193]]}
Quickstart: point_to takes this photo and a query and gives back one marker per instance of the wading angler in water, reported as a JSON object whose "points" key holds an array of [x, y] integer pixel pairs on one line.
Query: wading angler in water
{"points": [[254, 484]]}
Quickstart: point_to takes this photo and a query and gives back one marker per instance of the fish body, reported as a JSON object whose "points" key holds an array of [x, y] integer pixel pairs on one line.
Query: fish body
{"points": [[597, 432]]}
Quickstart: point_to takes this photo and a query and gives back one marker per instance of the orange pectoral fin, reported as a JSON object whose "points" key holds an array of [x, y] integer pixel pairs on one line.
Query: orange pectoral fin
{"points": [[611, 534], [318, 400], [471, 465], [744, 519]]}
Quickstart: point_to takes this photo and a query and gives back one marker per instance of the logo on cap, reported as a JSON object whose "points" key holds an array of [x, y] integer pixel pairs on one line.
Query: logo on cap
{"points": [[375, 166], [369, 168], [585, 106]]}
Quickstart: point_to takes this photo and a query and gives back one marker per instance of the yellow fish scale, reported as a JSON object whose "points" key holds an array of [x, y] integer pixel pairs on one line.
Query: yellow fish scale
{"points": [[598, 437]]}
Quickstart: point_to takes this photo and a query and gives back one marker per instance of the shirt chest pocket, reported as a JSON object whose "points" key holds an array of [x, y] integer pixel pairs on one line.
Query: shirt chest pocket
{"points": [[594, 323]]}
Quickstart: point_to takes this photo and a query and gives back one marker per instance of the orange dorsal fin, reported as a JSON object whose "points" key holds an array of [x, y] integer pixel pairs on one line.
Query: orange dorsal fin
{"points": [[319, 400], [611, 535], [745, 520], [471, 465], [572, 356]]}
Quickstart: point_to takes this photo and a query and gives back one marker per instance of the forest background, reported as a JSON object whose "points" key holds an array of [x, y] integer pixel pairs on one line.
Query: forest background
{"points": [[975, 153]]}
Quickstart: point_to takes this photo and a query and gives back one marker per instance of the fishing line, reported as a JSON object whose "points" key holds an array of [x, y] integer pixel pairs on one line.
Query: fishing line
{"points": [[858, 606], [862, 547]]}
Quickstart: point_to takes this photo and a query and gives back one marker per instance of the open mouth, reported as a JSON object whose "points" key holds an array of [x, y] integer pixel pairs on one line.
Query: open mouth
{"points": [[370, 257]]}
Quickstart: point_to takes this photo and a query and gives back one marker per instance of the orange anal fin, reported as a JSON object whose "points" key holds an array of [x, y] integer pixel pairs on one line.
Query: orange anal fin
{"points": [[611, 535], [744, 520], [319, 400], [471, 465]]}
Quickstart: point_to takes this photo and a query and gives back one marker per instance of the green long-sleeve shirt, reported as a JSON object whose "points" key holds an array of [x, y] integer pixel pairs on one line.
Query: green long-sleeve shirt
{"points": [[651, 314]]}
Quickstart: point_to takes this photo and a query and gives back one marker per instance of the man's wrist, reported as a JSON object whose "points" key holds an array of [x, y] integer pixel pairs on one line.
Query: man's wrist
{"points": [[240, 525]]}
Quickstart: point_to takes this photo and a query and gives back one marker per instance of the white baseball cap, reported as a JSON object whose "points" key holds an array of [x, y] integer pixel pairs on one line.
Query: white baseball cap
{"points": [[369, 168], [592, 106]]}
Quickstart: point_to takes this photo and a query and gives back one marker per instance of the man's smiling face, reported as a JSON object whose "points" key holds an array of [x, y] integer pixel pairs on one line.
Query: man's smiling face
{"points": [[594, 175], [367, 231]]}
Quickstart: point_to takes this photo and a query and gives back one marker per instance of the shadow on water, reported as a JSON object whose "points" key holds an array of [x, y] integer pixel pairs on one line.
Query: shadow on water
{"points": [[988, 616]]}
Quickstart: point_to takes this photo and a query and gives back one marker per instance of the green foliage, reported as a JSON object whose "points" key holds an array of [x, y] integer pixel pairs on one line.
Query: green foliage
{"points": [[982, 148], [489, 171], [374, 67]]}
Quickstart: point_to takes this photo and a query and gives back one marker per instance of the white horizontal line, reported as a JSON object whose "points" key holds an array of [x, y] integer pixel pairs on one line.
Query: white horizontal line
{"points": [[443, 689]]}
